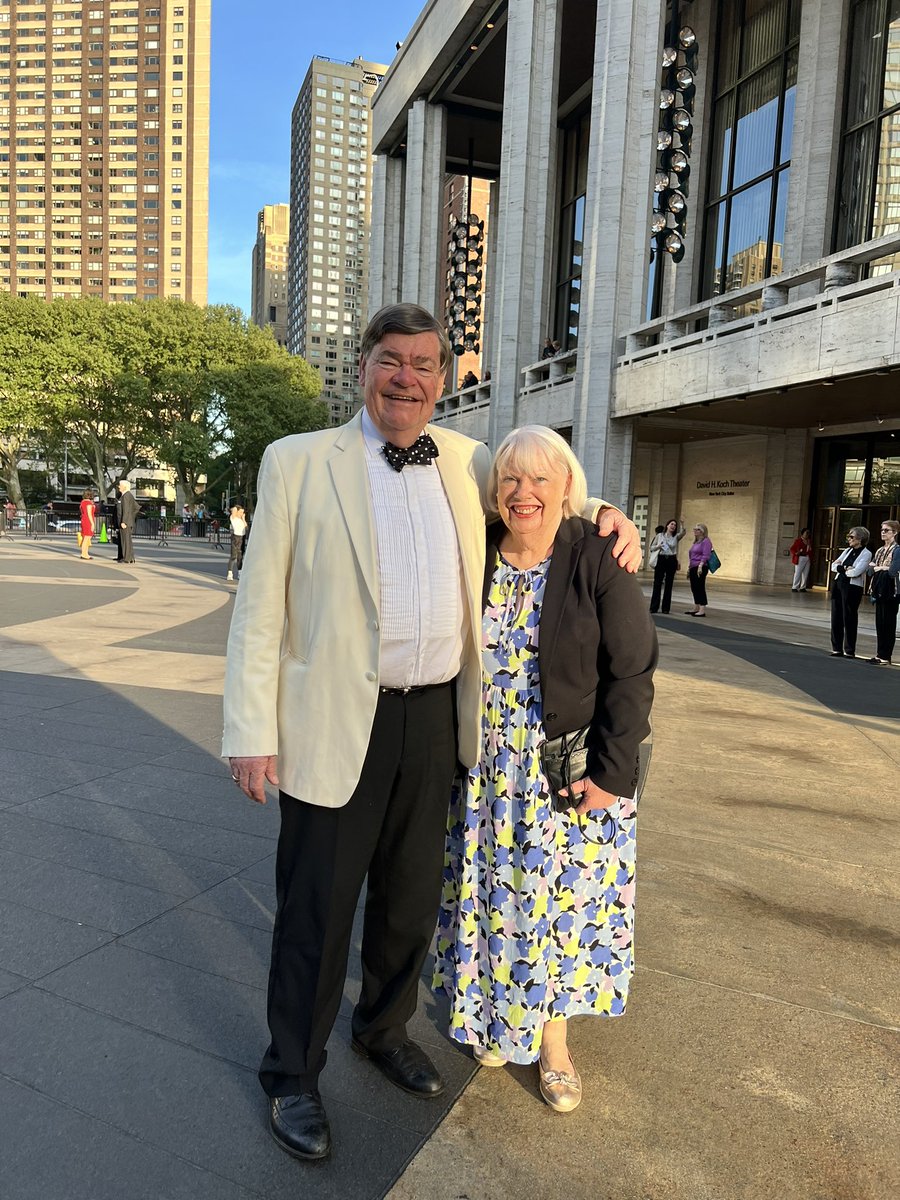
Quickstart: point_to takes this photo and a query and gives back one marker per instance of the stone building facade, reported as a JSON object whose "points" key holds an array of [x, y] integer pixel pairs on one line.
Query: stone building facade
{"points": [[749, 381]]}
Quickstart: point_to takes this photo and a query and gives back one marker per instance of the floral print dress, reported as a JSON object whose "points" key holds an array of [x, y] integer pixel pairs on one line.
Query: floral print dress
{"points": [[537, 912]]}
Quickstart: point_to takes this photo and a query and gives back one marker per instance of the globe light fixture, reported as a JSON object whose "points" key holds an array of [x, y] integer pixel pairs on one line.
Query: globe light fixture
{"points": [[687, 39], [669, 56], [663, 139], [666, 98]]}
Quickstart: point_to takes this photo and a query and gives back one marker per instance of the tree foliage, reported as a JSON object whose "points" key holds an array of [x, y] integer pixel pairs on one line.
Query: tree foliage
{"points": [[142, 384]]}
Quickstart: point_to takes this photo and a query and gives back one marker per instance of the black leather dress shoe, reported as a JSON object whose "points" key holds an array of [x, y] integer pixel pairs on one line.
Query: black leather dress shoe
{"points": [[299, 1125], [407, 1066]]}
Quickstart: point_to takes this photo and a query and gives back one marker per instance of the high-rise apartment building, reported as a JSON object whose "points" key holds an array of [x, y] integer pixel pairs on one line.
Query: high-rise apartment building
{"points": [[104, 148], [331, 176], [268, 300]]}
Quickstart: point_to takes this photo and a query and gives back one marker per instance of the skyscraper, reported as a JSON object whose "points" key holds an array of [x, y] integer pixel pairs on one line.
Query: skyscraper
{"points": [[268, 297], [331, 174], [104, 148]]}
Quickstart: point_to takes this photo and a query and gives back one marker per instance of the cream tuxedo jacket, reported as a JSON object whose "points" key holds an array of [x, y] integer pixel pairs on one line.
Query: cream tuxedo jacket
{"points": [[302, 672]]}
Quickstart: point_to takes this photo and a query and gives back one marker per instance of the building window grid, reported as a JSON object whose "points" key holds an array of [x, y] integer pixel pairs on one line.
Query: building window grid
{"points": [[724, 268], [868, 200]]}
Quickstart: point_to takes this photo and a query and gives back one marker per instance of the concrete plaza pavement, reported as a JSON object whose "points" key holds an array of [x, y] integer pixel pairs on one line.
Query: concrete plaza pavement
{"points": [[759, 1054]]}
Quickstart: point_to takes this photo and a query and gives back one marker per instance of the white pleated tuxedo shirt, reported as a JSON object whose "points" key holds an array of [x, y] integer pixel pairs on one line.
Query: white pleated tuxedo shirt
{"points": [[419, 571]]}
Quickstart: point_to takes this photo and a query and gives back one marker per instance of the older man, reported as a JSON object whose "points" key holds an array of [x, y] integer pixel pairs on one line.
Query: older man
{"points": [[127, 510], [354, 660]]}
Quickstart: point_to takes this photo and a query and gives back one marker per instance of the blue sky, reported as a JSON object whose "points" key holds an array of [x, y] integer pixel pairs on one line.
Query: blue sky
{"points": [[260, 54]]}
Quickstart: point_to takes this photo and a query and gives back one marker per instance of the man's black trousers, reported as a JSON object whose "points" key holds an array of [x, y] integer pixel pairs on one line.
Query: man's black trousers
{"points": [[392, 829]]}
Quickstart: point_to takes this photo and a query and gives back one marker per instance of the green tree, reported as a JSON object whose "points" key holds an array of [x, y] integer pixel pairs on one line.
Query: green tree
{"points": [[24, 400], [262, 401]]}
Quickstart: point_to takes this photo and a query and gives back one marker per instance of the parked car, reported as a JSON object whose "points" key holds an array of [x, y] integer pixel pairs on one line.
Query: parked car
{"points": [[63, 524]]}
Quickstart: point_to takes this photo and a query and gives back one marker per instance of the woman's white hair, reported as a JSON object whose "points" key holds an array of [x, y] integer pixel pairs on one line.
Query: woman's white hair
{"points": [[532, 448]]}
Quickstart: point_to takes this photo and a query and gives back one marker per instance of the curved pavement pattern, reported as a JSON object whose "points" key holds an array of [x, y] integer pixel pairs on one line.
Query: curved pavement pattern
{"points": [[759, 1054]]}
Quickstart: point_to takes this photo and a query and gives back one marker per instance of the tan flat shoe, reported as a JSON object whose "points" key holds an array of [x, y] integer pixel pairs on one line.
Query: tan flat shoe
{"points": [[488, 1058], [561, 1089]]}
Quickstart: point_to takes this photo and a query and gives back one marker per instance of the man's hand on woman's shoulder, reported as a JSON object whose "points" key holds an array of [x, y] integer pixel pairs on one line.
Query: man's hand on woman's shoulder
{"points": [[627, 549]]}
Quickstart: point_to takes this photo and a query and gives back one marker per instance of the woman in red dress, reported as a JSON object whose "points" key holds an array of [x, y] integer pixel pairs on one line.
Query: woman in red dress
{"points": [[88, 522]]}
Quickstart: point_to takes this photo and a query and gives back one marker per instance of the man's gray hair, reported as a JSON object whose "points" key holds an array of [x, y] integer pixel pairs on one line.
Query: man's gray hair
{"points": [[404, 318]]}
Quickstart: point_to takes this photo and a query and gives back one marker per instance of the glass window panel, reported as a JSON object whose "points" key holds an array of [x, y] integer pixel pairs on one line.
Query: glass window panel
{"points": [[764, 28], [892, 65], [584, 138], [884, 487], [578, 236], [854, 478], [728, 42], [565, 242], [570, 158], [723, 131], [864, 81], [757, 120], [794, 20], [886, 205], [748, 236], [787, 112], [713, 279], [854, 196], [781, 199]]}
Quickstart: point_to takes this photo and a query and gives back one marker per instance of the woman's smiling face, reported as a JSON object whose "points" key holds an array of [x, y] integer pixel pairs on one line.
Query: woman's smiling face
{"points": [[532, 503]]}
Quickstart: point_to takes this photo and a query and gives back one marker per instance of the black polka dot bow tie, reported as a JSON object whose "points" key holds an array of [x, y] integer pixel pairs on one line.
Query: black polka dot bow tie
{"points": [[419, 454]]}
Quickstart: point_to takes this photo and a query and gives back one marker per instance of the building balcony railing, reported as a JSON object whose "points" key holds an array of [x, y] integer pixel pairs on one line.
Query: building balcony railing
{"points": [[549, 372], [467, 399], [721, 316], [537, 377]]}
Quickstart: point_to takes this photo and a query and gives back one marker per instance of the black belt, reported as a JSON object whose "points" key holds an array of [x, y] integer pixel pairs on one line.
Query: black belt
{"points": [[409, 691]]}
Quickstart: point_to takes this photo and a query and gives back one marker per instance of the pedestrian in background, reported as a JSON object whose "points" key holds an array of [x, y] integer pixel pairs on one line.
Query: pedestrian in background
{"points": [[801, 553], [664, 561], [238, 522], [88, 523], [885, 592], [698, 569], [127, 510], [186, 515], [849, 571]]}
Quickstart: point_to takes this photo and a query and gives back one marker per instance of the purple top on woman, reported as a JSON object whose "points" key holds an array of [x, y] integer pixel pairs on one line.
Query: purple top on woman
{"points": [[699, 552]]}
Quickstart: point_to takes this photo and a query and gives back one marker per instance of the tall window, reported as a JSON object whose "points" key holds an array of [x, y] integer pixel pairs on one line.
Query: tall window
{"points": [[869, 193], [752, 126], [571, 231]]}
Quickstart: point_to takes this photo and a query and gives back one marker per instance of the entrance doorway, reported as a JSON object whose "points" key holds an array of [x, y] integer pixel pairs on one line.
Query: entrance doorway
{"points": [[856, 481]]}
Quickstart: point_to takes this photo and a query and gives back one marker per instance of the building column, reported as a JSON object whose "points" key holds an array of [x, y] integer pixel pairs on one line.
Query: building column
{"points": [[422, 205], [489, 295], [817, 118], [386, 232], [616, 236], [525, 212]]}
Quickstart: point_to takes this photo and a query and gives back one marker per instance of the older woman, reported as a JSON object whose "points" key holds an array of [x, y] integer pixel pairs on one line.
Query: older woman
{"points": [[849, 570], [698, 569], [885, 572], [538, 904]]}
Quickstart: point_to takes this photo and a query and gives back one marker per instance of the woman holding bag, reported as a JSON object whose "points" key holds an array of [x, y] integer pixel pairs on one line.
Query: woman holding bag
{"points": [[885, 592], [665, 565], [538, 904], [698, 569]]}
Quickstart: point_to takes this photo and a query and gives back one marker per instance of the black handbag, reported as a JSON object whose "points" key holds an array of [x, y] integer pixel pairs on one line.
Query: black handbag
{"points": [[883, 587], [564, 762]]}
